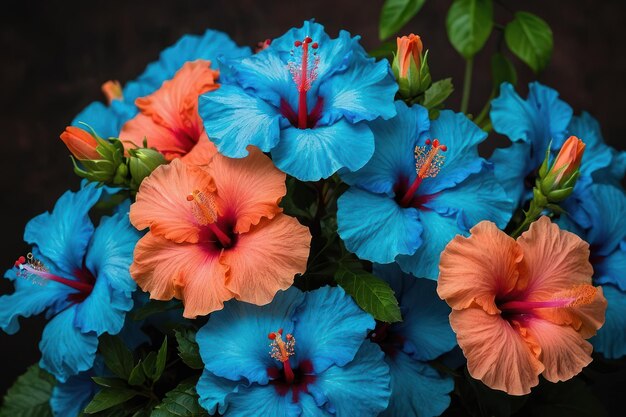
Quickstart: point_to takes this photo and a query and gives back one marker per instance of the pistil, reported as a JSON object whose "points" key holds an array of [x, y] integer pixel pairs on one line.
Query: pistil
{"points": [[32, 268], [428, 162], [304, 74], [281, 350], [576, 296], [205, 212]]}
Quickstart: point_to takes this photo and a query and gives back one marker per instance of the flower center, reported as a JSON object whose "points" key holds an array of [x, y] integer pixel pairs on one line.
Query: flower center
{"points": [[35, 271], [294, 380], [204, 211], [281, 350], [577, 296], [389, 341], [303, 69], [428, 162]]}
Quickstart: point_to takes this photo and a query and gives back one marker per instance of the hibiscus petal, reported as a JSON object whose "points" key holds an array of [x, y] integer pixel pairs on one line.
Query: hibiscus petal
{"points": [[479, 197], [497, 352], [261, 401], [394, 157], [211, 45], [610, 270], [62, 236], [201, 153], [191, 272], [416, 388], [478, 268], [70, 398], [375, 227], [265, 259], [437, 231], [234, 343], [65, 350], [564, 352], [329, 317], [103, 310], [215, 392], [110, 251], [162, 201], [250, 188], [105, 120], [365, 91], [538, 120], [554, 260], [360, 388], [611, 338], [461, 136], [608, 228], [424, 324], [29, 299], [233, 119], [511, 167], [316, 153]]}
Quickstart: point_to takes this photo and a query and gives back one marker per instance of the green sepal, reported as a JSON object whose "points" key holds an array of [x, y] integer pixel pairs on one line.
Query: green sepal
{"points": [[557, 196]]}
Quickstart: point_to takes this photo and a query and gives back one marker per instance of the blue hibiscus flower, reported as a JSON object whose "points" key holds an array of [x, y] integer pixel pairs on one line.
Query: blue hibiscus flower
{"points": [[107, 120], [305, 98], [319, 362], [424, 334], [604, 208], [424, 185], [78, 275], [533, 124]]}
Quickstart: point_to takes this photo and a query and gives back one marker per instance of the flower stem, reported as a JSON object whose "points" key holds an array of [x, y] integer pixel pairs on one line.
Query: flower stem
{"points": [[467, 84], [533, 213]]}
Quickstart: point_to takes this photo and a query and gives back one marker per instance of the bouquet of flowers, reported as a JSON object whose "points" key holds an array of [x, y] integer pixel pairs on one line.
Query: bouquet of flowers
{"points": [[304, 229]]}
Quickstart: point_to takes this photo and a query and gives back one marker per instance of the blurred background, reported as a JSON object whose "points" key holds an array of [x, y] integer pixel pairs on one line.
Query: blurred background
{"points": [[56, 55]]}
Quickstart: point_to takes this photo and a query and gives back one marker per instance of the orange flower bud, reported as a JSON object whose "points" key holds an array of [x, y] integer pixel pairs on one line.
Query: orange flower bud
{"points": [[409, 47], [80, 143], [568, 160], [112, 91]]}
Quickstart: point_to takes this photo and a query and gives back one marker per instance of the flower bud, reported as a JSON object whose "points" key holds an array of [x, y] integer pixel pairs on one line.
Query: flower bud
{"points": [[112, 91], [410, 67], [80, 143], [142, 161], [557, 180]]}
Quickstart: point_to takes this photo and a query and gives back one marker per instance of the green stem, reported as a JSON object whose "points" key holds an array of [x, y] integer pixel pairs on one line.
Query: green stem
{"points": [[467, 84], [533, 213], [484, 112]]}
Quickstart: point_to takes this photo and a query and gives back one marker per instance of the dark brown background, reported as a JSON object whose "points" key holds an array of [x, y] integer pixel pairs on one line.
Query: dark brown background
{"points": [[56, 56]]}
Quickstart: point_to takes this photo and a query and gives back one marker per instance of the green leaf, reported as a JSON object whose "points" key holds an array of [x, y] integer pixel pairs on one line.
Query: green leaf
{"points": [[469, 24], [395, 14], [149, 365], [502, 70], [188, 349], [29, 395], [438, 92], [108, 398], [109, 382], [530, 39], [371, 293], [182, 401], [137, 375], [161, 360], [116, 356], [154, 307]]}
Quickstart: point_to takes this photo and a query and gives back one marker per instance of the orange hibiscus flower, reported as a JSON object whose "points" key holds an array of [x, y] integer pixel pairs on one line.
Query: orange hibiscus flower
{"points": [[168, 118], [524, 307], [216, 233]]}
